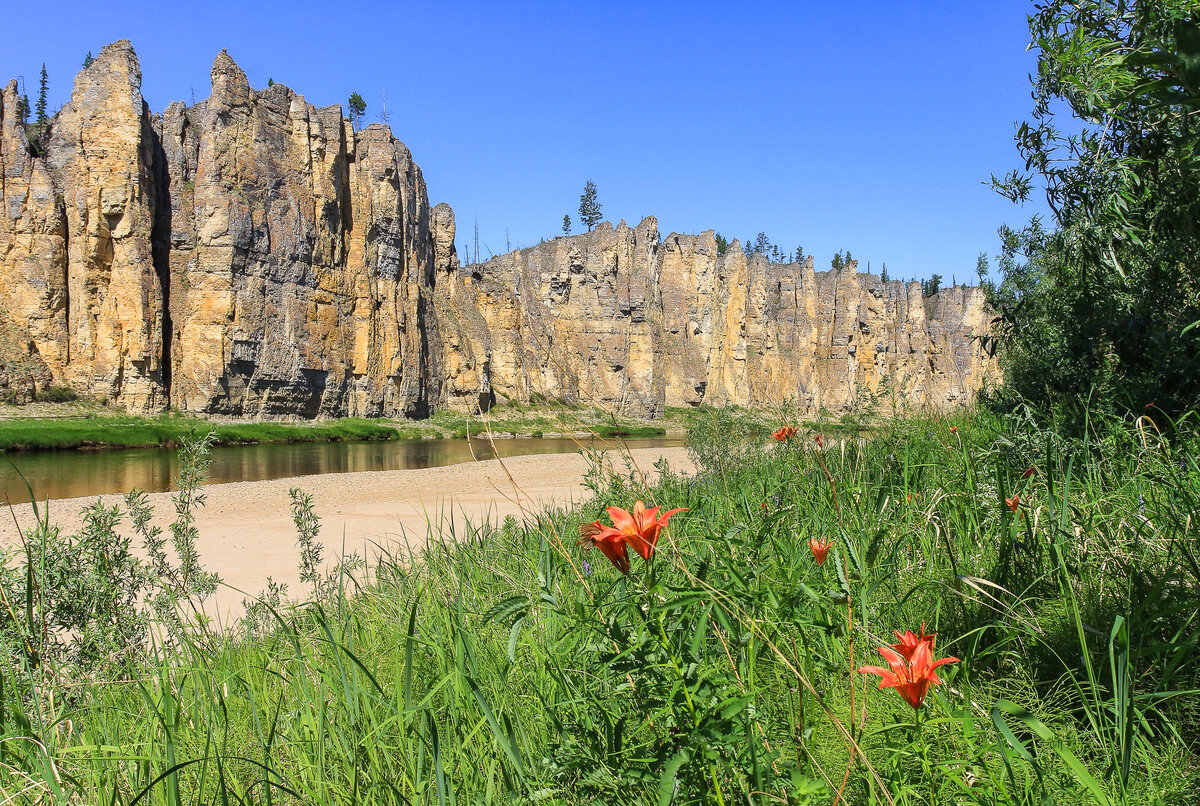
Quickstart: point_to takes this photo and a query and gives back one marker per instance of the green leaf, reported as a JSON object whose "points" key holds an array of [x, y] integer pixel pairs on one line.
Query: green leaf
{"points": [[666, 784], [1078, 770]]}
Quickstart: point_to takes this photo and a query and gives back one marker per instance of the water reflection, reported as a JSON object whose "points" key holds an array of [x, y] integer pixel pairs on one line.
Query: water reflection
{"points": [[70, 474]]}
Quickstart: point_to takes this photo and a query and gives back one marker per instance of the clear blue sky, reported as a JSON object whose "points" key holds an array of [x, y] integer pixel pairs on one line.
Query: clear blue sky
{"points": [[870, 126]]}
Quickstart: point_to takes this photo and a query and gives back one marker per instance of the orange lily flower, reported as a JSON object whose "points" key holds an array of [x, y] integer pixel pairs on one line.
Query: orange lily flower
{"points": [[1014, 503], [954, 429], [639, 529], [784, 434], [820, 549], [820, 440], [910, 677], [909, 642], [609, 541], [1029, 472]]}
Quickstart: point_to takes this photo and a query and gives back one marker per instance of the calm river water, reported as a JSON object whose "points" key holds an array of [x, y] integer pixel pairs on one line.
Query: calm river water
{"points": [[71, 474]]}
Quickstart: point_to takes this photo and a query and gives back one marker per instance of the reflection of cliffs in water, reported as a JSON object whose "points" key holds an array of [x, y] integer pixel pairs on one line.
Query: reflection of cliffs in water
{"points": [[254, 255], [71, 474]]}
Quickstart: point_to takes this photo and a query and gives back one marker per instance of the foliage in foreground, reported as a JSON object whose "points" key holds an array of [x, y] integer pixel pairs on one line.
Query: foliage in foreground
{"points": [[1101, 307], [503, 664]]}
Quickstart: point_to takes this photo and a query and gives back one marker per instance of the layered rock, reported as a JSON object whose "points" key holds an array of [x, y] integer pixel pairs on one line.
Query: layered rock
{"points": [[249, 255], [622, 319], [253, 255], [301, 259]]}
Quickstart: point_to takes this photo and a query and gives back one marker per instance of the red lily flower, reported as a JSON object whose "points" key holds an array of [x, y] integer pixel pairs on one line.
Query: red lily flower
{"points": [[820, 549], [1014, 503], [784, 434], [639, 529], [820, 440], [910, 677], [909, 642], [1029, 472]]}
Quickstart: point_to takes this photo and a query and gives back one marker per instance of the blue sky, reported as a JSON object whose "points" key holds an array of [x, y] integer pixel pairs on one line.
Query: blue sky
{"points": [[865, 126]]}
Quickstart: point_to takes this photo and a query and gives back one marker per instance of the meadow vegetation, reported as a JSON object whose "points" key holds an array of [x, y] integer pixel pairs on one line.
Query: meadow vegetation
{"points": [[503, 662]]}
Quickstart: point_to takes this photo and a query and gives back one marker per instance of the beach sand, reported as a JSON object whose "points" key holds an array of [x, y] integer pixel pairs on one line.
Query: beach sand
{"points": [[247, 534]]}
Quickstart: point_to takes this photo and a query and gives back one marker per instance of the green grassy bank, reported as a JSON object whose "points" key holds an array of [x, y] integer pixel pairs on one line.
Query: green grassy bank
{"points": [[504, 664], [147, 432], [92, 427]]}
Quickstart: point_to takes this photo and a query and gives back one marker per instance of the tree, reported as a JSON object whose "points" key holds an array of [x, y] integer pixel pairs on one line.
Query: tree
{"points": [[761, 243], [981, 267], [23, 108], [358, 108], [589, 207], [846, 260], [566, 225], [799, 254], [43, 86], [270, 82], [932, 285], [1097, 308], [883, 273], [838, 261], [722, 244], [87, 60]]}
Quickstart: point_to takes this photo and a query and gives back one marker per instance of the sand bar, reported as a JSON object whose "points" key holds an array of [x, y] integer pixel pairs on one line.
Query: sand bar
{"points": [[246, 530]]}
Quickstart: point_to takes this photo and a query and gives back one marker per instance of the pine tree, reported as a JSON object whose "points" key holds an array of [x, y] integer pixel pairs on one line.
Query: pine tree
{"points": [[88, 59], [566, 225], [883, 275], [357, 107], [722, 244], [981, 267], [589, 207], [43, 86], [799, 254], [838, 261], [761, 243]]}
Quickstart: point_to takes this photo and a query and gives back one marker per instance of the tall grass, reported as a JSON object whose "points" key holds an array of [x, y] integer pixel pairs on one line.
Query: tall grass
{"points": [[502, 664]]}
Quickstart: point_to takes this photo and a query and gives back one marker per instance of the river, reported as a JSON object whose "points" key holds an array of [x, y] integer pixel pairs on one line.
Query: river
{"points": [[73, 474]]}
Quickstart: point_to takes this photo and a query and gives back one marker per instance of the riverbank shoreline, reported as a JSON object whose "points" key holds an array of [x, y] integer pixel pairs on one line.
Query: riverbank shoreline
{"points": [[247, 533], [80, 426]]}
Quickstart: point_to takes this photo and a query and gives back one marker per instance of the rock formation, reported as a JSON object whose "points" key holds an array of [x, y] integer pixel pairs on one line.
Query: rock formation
{"points": [[625, 320], [252, 255]]}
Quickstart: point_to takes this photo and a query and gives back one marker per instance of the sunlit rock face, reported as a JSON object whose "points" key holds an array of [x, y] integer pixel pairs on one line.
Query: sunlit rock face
{"points": [[253, 255], [627, 320]]}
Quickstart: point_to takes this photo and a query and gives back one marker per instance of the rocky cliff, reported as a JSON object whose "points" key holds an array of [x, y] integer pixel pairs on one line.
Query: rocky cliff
{"points": [[627, 320], [253, 255]]}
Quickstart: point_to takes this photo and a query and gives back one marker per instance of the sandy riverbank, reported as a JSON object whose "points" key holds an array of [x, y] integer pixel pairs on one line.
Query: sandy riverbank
{"points": [[246, 531]]}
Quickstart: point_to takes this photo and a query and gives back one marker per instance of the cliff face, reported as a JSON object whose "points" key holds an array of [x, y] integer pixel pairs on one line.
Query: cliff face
{"points": [[248, 255], [253, 255], [626, 320]]}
